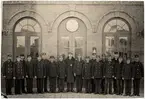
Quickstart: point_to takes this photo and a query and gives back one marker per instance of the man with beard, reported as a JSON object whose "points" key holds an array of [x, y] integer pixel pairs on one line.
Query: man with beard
{"points": [[70, 61], [8, 70]]}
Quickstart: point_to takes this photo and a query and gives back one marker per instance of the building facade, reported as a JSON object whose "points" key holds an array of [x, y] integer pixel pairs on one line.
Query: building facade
{"points": [[82, 27]]}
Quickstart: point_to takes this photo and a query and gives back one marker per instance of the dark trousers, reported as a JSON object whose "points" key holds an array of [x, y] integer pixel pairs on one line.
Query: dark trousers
{"points": [[39, 85], [23, 85], [61, 84], [115, 85], [45, 84], [93, 85], [79, 83], [119, 86], [88, 85], [136, 86], [70, 87], [103, 85], [108, 85], [18, 86], [52, 84], [127, 86], [29, 85], [9, 83], [97, 85]]}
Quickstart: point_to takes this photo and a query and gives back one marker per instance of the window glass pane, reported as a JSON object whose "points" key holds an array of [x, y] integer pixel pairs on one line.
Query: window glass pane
{"points": [[123, 44], [28, 28], [78, 42], [34, 45], [18, 28], [109, 44], [20, 45], [37, 28], [64, 45], [116, 25]]}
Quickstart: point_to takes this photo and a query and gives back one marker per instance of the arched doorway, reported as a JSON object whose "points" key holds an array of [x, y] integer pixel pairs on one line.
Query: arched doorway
{"points": [[72, 34], [27, 34], [117, 36]]}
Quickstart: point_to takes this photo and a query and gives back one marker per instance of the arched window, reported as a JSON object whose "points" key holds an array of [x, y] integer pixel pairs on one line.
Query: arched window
{"points": [[27, 33], [116, 36]]}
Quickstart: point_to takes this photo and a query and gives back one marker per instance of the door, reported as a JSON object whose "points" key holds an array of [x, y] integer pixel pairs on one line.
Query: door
{"points": [[72, 37]]}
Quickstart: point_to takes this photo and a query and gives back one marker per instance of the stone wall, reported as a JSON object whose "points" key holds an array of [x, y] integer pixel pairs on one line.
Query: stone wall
{"points": [[93, 14]]}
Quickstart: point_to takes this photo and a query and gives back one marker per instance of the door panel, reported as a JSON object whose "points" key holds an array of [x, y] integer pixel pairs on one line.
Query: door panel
{"points": [[20, 45]]}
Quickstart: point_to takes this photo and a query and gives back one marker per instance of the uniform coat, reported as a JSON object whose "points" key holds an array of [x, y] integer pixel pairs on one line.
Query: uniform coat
{"points": [[118, 75], [8, 70], [97, 73], [70, 70], [61, 74], [78, 72], [109, 70], [46, 65], [137, 74], [30, 74], [53, 73], [40, 72], [127, 75]]}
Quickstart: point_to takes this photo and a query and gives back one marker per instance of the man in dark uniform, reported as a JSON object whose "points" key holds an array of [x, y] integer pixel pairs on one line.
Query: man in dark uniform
{"points": [[39, 74], [92, 61], [126, 76], [137, 74], [53, 74], [118, 76], [8, 70], [29, 74], [115, 62], [18, 75], [78, 72], [61, 73], [103, 63], [24, 66], [70, 61], [109, 75], [97, 74], [46, 64], [86, 74]]}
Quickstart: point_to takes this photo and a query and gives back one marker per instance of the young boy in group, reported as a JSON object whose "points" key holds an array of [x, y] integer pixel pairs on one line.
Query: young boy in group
{"points": [[53, 74], [126, 76], [29, 74], [109, 75], [61, 74], [97, 74], [78, 72], [8, 70], [118, 76], [87, 75]]}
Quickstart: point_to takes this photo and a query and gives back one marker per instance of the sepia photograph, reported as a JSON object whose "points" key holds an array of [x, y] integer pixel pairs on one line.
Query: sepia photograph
{"points": [[72, 49]]}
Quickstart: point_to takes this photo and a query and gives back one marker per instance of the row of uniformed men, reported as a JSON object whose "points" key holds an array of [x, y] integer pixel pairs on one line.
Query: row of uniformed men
{"points": [[98, 74]]}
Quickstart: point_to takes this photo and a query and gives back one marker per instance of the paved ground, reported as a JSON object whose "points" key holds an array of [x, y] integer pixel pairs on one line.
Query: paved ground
{"points": [[72, 95], [69, 95]]}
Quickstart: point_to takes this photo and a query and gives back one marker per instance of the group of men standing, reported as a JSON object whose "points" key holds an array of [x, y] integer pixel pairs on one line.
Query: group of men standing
{"points": [[101, 75]]}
